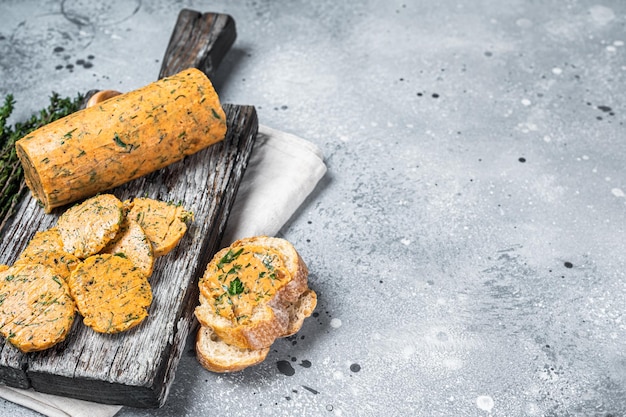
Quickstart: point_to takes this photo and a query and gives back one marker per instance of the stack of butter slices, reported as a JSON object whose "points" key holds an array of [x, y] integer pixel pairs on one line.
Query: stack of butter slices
{"points": [[97, 260], [252, 292]]}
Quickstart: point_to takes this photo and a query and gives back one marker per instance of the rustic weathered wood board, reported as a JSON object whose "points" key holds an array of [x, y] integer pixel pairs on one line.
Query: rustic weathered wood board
{"points": [[137, 367]]}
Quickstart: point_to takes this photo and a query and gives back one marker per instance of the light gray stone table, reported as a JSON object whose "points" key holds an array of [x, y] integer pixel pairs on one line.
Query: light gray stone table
{"points": [[468, 243]]}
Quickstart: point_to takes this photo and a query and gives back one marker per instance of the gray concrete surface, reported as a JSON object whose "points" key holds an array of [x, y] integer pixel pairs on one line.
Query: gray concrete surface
{"points": [[468, 243]]}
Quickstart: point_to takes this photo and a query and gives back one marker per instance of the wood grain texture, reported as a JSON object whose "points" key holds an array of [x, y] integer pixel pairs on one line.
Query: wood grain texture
{"points": [[137, 367], [199, 40]]}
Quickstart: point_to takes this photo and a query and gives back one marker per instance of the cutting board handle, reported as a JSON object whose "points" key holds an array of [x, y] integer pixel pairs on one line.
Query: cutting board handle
{"points": [[199, 40]]}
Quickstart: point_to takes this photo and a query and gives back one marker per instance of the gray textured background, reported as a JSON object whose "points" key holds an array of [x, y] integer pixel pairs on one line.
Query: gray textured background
{"points": [[468, 243]]}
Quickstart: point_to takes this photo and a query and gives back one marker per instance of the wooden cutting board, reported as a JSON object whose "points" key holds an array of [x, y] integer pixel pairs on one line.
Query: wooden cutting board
{"points": [[136, 368]]}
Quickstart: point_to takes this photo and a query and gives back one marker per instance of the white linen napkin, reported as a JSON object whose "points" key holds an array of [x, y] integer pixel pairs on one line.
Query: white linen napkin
{"points": [[282, 171]]}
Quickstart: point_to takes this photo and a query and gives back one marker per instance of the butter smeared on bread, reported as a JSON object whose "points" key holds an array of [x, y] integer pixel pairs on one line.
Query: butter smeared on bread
{"points": [[252, 293]]}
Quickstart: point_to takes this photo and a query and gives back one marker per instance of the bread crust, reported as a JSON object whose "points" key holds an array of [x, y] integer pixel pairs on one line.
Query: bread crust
{"points": [[299, 311], [217, 356]]}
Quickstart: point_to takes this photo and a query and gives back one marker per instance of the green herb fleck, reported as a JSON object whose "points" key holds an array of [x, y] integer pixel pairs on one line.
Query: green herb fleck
{"points": [[229, 257], [234, 269], [68, 135], [118, 141], [235, 287]]}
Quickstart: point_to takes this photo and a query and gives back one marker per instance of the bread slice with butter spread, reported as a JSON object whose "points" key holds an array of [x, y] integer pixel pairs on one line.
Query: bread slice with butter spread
{"points": [[251, 293]]}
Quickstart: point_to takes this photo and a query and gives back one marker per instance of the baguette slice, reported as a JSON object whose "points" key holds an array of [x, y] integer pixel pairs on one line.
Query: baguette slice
{"points": [[217, 356], [252, 293], [247, 290]]}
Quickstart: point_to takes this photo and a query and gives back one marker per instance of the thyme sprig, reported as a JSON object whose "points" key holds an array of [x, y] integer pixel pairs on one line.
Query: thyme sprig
{"points": [[12, 186]]}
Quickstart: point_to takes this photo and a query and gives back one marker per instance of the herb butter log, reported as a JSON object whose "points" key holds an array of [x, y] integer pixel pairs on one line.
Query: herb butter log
{"points": [[121, 139]]}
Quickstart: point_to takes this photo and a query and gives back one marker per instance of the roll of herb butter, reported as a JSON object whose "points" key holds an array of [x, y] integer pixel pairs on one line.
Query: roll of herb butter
{"points": [[121, 139]]}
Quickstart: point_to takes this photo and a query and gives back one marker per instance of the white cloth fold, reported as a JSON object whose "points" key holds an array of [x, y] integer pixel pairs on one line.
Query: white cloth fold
{"points": [[283, 170]]}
